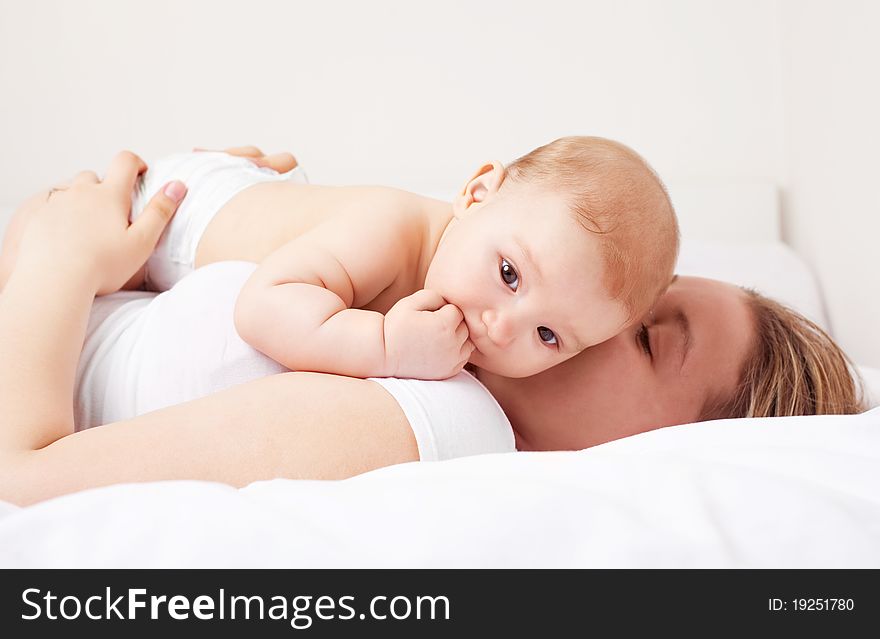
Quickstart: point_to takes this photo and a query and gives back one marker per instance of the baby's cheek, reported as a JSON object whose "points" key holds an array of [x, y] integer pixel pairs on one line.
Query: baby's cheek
{"points": [[528, 362]]}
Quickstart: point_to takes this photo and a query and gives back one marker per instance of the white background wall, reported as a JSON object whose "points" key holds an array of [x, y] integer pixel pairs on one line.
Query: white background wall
{"points": [[416, 95], [831, 66]]}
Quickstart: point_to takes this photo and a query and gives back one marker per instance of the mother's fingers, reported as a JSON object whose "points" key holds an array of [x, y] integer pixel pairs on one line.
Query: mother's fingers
{"points": [[144, 232], [85, 177], [124, 170], [279, 162], [244, 151], [240, 151]]}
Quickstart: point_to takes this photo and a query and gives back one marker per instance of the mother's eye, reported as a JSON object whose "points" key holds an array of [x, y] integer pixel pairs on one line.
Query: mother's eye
{"points": [[508, 275], [644, 339]]}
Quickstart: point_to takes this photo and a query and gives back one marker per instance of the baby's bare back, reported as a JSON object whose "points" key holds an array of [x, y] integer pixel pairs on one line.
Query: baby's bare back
{"points": [[266, 216]]}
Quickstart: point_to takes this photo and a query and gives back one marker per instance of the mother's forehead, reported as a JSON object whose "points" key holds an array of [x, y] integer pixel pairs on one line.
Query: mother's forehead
{"points": [[694, 284], [715, 309], [705, 300]]}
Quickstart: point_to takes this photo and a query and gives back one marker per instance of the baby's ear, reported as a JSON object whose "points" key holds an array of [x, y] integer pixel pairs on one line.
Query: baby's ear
{"points": [[484, 184]]}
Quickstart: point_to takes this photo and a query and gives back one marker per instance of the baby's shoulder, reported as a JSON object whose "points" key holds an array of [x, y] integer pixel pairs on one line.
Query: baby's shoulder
{"points": [[374, 210]]}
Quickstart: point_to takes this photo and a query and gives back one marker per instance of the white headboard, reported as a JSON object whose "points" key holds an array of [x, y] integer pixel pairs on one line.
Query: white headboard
{"points": [[727, 210], [730, 211], [722, 210], [731, 231]]}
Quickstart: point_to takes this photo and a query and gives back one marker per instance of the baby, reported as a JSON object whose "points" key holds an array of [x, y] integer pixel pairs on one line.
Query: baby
{"points": [[529, 265]]}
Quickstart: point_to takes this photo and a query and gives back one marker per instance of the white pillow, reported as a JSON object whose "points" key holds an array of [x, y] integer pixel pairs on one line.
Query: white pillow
{"points": [[871, 381]]}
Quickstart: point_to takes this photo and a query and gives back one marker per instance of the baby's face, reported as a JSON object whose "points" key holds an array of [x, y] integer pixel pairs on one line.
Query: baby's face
{"points": [[528, 279]]}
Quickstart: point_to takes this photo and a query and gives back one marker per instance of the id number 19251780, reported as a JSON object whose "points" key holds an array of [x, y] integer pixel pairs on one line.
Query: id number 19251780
{"points": [[811, 604]]}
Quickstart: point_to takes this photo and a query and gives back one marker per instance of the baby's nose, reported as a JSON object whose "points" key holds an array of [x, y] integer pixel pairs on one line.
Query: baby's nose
{"points": [[499, 327]]}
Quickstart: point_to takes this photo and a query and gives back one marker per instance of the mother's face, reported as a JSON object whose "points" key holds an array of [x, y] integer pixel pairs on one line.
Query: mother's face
{"points": [[699, 336]]}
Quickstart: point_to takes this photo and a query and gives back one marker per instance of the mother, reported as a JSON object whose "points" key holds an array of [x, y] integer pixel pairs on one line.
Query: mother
{"points": [[711, 350]]}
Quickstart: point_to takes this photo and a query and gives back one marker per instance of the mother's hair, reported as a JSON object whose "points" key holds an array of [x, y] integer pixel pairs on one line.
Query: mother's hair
{"points": [[793, 368]]}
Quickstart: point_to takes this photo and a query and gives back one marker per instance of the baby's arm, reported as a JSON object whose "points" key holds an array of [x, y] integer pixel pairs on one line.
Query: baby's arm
{"points": [[300, 307]]}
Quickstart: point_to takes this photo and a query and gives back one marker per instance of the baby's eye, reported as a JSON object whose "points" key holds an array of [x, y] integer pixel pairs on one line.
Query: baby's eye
{"points": [[547, 336], [509, 275]]}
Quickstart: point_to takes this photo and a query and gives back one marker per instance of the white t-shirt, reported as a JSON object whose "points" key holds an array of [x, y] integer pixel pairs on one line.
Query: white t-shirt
{"points": [[145, 351]]}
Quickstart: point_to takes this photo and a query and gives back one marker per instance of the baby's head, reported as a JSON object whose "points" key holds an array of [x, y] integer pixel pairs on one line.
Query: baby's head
{"points": [[559, 251]]}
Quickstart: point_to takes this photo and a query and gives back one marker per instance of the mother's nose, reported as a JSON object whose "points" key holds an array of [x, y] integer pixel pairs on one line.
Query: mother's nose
{"points": [[500, 327]]}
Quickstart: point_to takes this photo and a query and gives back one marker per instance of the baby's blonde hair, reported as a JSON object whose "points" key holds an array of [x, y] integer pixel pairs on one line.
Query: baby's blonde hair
{"points": [[614, 193], [794, 368]]}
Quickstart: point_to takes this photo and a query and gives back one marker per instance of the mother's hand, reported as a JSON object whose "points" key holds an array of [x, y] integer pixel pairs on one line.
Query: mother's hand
{"points": [[77, 243], [279, 162], [84, 226]]}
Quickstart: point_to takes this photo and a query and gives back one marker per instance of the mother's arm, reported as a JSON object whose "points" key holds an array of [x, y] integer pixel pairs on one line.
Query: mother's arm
{"points": [[294, 425], [297, 425]]}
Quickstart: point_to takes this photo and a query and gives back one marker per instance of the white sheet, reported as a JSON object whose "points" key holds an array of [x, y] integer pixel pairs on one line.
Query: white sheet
{"points": [[786, 492]]}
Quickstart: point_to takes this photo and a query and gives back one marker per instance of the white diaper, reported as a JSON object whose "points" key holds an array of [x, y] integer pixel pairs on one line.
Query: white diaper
{"points": [[212, 179]]}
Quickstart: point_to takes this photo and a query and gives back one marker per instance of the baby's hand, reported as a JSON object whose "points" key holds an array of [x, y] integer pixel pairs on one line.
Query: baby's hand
{"points": [[425, 337]]}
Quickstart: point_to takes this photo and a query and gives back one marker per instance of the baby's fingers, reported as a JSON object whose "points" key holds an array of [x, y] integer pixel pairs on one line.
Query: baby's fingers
{"points": [[466, 349], [425, 300], [460, 365], [461, 333], [451, 315]]}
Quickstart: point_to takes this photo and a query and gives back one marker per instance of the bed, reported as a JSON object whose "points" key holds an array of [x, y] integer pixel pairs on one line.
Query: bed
{"points": [[783, 492]]}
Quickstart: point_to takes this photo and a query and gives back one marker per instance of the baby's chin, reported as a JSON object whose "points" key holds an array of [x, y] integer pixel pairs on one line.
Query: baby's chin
{"points": [[499, 367]]}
